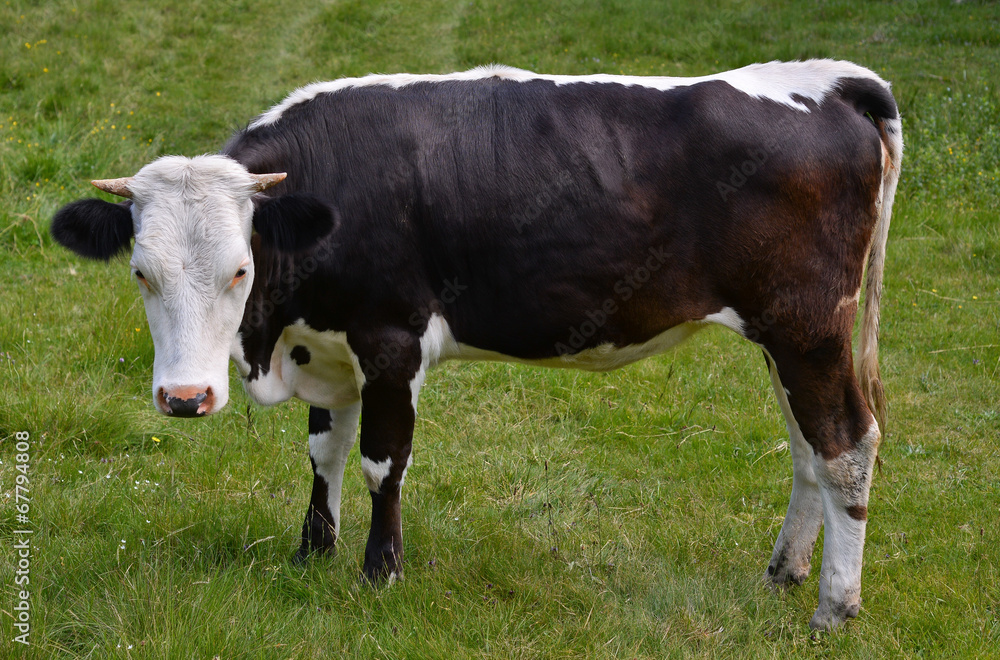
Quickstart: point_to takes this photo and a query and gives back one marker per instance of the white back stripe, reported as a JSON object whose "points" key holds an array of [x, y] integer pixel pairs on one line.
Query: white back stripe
{"points": [[777, 81]]}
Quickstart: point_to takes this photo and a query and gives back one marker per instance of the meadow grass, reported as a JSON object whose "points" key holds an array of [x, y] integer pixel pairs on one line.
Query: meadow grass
{"points": [[547, 513]]}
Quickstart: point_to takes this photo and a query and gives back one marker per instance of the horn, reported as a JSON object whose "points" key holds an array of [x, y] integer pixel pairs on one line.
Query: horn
{"points": [[262, 182], [115, 186]]}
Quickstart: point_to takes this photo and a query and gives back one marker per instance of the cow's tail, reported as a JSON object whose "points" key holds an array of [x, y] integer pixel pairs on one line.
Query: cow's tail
{"points": [[878, 106]]}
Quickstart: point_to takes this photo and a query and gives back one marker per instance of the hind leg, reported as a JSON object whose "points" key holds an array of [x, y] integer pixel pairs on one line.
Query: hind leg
{"points": [[794, 548], [845, 481], [842, 437]]}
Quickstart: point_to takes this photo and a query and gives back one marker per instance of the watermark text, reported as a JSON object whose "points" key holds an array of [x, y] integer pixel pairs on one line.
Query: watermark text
{"points": [[22, 538]]}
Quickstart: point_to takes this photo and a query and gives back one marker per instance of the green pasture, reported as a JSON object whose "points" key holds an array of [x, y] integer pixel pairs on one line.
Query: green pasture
{"points": [[548, 514]]}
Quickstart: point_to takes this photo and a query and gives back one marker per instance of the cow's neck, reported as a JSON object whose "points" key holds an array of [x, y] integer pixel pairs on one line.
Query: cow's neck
{"points": [[284, 291]]}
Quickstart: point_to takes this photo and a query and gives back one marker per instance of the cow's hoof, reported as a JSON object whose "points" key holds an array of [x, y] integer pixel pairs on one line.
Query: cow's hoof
{"points": [[829, 618], [381, 569], [381, 579], [301, 556], [383, 562], [783, 576], [381, 575]]}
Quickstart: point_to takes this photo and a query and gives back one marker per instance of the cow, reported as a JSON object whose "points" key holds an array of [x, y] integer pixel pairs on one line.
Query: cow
{"points": [[364, 230]]}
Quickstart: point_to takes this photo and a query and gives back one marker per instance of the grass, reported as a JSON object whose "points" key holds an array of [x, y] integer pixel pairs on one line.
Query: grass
{"points": [[548, 513]]}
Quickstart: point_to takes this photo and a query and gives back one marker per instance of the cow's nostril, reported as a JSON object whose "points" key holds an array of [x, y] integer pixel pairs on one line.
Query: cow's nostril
{"points": [[208, 403], [161, 401]]}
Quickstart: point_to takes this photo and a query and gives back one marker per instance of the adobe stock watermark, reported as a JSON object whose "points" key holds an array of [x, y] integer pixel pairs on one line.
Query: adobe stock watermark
{"points": [[462, 117], [761, 156], [382, 18], [739, 174], [305, 266], [543, 201], [372, 368], [624, 289], [757, 326], [22, 538], [695, 39]]}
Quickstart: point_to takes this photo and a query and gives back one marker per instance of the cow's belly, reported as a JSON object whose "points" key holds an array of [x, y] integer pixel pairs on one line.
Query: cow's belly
{"points": [[318, 367], [321, 369], [604, 357]]}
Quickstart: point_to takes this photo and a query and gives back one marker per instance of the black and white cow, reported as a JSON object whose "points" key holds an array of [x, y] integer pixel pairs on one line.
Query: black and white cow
{"points": [[563, 221]]}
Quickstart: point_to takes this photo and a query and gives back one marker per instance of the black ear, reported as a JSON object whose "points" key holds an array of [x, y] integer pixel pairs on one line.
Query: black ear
{"points": [[294, 222], [94, 228]]}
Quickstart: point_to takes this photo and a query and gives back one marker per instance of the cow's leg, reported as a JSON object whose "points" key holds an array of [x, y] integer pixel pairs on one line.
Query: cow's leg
{"points": [[331, 435], [794, 547], [834, 420], [845, 481], [389, 412]]}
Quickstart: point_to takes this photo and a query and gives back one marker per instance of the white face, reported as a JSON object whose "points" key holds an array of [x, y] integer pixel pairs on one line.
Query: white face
{"points": [[193, 265]]}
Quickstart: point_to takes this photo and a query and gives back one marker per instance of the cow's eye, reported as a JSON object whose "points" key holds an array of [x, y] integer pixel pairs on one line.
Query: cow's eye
{"points": [[142, 278], [240, 274]]}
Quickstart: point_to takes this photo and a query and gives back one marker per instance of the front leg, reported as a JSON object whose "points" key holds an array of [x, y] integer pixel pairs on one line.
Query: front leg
{"points": [[389, 412], [331, 435]]}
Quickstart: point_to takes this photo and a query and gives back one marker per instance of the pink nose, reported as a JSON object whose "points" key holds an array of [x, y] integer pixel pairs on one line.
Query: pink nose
{"points": [[185, 401]]}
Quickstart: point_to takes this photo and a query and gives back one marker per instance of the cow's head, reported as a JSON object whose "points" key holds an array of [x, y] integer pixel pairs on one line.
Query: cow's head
{"points": [[192, 220]]}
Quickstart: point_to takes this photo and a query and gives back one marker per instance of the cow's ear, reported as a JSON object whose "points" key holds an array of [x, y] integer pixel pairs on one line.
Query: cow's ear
{"points": [[294, 222], [94, 228]]}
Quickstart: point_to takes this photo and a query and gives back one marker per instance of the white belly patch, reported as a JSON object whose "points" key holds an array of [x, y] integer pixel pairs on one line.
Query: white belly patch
{"points": [[321, 369], [318, 367]]}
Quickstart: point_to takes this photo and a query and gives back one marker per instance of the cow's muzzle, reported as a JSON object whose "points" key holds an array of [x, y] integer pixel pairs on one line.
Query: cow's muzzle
{"points": [[185, 401]]}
